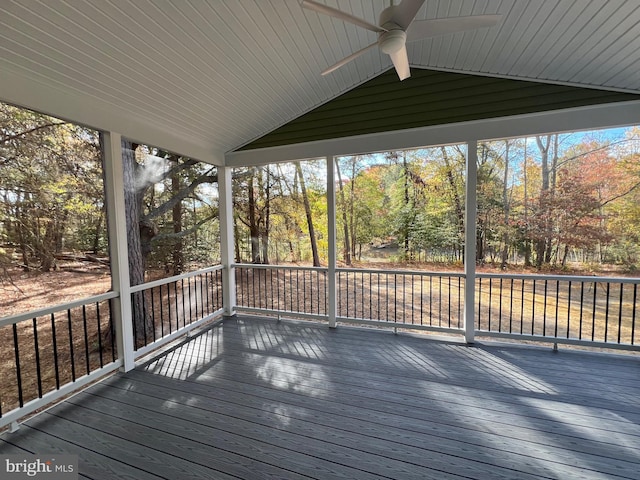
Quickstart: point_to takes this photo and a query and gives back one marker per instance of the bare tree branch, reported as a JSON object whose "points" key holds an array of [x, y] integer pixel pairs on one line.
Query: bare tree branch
{"points": [[31, 130], [183, 233]]}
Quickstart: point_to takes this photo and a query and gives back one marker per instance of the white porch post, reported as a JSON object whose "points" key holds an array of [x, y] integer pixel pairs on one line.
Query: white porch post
{"points": [[470, 240], [227, 240], [332, 289], [117, 230]]}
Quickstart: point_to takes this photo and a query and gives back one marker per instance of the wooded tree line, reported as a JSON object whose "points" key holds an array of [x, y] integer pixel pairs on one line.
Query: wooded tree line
{"points": [[52, 203], [542, 200]]}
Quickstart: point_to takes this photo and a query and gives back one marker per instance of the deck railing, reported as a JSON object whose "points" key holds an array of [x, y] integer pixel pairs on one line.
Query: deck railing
{"points": [[55, 351], [407, 299], [282, 290], [590, 311], [595, 311], [175, 305]]}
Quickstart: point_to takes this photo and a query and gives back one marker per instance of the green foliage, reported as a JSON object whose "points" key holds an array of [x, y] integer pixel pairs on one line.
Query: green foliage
{"points": [[50, 187]]}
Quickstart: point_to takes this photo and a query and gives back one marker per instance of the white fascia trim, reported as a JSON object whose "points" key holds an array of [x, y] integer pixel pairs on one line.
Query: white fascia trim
{"points": [[574, 119], [18, 89]]}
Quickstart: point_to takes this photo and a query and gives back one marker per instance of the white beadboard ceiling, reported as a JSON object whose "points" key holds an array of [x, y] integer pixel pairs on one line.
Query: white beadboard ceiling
{"points": [[204, 77]]}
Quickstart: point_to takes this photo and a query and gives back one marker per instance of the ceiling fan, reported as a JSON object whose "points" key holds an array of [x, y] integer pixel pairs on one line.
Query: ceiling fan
{"points": [[397, 26]]}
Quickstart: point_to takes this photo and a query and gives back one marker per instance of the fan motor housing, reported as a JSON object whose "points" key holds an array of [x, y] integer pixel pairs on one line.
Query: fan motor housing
{"points": [[392, 41]]}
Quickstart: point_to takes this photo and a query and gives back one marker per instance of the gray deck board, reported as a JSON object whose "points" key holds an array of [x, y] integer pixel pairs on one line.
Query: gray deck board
{"points": [[255, 398]]}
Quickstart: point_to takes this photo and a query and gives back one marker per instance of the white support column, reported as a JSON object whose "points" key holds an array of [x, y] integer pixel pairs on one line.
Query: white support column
{"points": [[117, 227], [470, 214], [227, 240], [332, 289]]}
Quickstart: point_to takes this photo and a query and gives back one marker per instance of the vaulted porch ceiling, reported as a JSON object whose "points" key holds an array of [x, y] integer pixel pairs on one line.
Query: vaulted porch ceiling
{"points": [[207, 77]]}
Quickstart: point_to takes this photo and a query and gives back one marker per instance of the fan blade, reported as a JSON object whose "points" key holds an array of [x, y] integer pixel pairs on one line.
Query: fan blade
{"points": [[404, 13], [339, 14], [346, 60], [401, 62], [441, 26]]}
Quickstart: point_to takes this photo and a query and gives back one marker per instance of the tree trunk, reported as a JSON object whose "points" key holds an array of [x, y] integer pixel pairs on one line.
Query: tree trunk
{"points": [[505, 202], [346, 250], [307, 210], [267, 218], [352, 219], [457, 201], [176, 217], [405, 169], [143, 329], [527, 241], [253, 224], [548, 255], [541, 240]]}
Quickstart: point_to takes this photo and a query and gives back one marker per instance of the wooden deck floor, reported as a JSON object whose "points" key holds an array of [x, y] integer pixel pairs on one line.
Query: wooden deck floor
{"points": [[256, 399]]}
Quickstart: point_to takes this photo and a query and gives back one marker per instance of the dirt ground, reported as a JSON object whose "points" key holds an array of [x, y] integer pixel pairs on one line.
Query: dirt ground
{"points": [[29, 291]]}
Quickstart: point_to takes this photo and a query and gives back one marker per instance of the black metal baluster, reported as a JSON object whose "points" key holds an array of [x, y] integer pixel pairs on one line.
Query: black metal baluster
{"points": [[144, 316], [197, 286], [449, 313], [71, 353], [112, 334], [99, 335], [404, 301], [522, 307], [490, 302], [581, 310], [620, 314], [378, 296], [500, 308], [569, 308], [555, 330], [479, 300], [86, 339], [533, 308], [459, 302], [161, 301], [593, 318], [511, 307], [271, 286], [370, 296], [362, 294], [278, 290], [54, 339], [395, 298], [298, 290], [544, 310], [37, 352], [190, 300], [153, 313], [206, 294], [218, 289], [421, 299], [386, 279], [606, 313], [431, 300], [16, 350], [313, 282], [184, 308], [440, 300], [633, 314]]}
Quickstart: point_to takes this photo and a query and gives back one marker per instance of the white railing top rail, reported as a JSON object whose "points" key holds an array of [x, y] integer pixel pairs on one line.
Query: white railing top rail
{"points": [[402, 272], [262, 266], [57, 308], [562, 278], [164, 281]]}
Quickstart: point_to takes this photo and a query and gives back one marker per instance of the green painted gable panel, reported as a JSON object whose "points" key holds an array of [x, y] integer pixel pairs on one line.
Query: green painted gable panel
{"points": [[429, 98]]}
